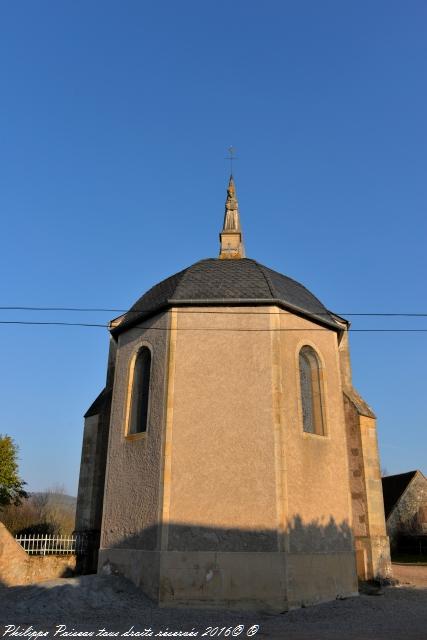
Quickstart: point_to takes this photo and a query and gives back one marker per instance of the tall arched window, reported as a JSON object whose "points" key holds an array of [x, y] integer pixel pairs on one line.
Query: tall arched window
{"points": [[311, 391], [140, 392]]}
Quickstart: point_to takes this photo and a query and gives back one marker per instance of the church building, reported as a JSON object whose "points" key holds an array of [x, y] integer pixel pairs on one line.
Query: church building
{"points": [[229, 462]]}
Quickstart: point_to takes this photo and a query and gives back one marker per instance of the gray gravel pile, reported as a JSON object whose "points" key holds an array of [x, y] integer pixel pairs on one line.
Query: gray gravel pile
{"points": [[91, 603]]}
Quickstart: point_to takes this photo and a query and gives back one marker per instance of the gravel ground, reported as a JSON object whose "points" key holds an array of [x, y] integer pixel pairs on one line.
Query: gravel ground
{"points": [[91, 603]]}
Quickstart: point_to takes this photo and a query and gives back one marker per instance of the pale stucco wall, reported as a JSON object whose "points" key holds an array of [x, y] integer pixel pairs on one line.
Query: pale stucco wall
{"points": [[224, 411], [317, 485], [222, 481], [241, 483], [132, 487]]}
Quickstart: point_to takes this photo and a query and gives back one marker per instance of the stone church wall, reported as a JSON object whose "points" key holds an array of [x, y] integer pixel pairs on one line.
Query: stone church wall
{"points": [[92, 470], [222, 482], [246, 482], [368, 522], [219, 544], [356, 470], [317, 468], [318, 533], [132, 487], [226, 498]]}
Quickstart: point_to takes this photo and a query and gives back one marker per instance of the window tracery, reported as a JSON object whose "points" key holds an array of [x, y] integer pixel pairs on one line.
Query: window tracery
{"points": [[311, 391]]}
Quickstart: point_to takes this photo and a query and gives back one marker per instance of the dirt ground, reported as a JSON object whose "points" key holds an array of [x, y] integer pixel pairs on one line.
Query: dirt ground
{"points": [[92, 603], [408, 574]]}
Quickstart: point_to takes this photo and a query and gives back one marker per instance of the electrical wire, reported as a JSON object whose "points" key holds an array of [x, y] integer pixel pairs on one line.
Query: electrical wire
{"points": [[106, 326], [105, 310]]}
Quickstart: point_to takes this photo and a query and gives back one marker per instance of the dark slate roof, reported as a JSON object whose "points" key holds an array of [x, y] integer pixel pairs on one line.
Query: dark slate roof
{"points": [[228, 282], [393, 488], [98, 404]]}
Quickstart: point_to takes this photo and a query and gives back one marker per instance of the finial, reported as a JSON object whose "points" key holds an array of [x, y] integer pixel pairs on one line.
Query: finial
{"points": [[231, 150], [231, 235]]}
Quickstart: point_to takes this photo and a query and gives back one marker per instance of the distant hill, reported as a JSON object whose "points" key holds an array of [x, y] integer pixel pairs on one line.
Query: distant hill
{"points": [[45, 512], [58, 499]]}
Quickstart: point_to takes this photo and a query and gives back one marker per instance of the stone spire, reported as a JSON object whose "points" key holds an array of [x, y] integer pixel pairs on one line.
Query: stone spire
{"points": [[231, 235]]}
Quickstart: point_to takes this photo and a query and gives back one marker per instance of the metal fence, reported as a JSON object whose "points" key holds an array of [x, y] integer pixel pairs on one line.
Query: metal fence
{"points": [[43, 545]]}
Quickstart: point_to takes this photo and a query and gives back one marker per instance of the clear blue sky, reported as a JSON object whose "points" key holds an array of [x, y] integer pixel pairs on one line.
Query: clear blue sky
{"points": [[115, 120]]}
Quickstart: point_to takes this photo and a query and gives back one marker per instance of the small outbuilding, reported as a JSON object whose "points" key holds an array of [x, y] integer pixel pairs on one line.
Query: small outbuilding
{"points": [[405, 507]]}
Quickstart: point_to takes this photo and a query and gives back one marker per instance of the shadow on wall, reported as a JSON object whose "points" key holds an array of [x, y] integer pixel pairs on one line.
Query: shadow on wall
{"points": [[116, 598], [97, 601], [317, 536], [189, 564], [314, 537], [320, 561]]}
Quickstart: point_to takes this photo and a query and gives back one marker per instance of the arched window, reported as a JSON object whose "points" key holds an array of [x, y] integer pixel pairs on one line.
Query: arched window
{"points": [[311, 391], [140, 392]]}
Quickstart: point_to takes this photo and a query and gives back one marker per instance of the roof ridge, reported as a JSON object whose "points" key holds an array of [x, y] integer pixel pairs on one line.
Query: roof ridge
{"points": [[283, 275], [404, 473], [307, 290], [267, 279], [405, 489]]}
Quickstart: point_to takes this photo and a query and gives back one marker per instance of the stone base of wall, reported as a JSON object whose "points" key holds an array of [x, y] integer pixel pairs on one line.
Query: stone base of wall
{"points": [[373, 558], [141, 567], [234, 580], [19, 568], [321, 577]]}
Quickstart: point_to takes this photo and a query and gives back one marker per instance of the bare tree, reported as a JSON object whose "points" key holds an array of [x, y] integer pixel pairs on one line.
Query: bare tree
{"points": [[50, 512]]}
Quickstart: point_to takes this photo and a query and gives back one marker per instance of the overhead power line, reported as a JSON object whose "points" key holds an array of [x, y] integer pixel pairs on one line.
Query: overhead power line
{"points": [[64, 324], [106, 326], [105, 310]]}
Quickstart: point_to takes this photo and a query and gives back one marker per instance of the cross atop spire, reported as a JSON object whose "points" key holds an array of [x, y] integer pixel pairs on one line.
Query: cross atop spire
{"points": [[231, 157], [231, 235]]}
